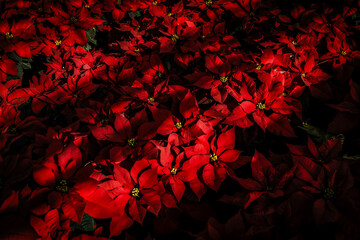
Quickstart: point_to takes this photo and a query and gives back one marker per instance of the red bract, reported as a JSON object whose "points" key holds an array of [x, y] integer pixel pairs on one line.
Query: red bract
{"points": [[213, 159], [57, 176], [176, 33], [243, 8], [348, 110], [267, 180], [137, 192], [149, 96], [16, 36], [205, 4], [51, 225], [269, 96], [155, 8], [339, 50], [130, 136], [171, 167], [153, 68], [13, 169], [305, 65], [74, 24], [324, 154], [11, 95], [7, 67], [222, 83], [332, 189], [89, 64]]}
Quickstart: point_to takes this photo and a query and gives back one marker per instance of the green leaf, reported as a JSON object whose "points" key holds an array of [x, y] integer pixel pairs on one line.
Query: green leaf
{"points": [[21, 63], [168, 65], [9, 77], [91, 34], [355, 157], [134, 14], [25, 65], [87, 47], [318, 134], [87, 224], [14, 56]]}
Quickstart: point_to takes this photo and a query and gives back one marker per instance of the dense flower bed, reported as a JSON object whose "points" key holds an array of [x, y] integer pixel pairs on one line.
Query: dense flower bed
{"points": [[207, 119]]}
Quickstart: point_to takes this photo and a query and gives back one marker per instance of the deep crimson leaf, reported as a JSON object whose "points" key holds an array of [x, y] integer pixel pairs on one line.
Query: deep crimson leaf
{"points": [[119, 223], [226, 140], [252, 197], [44, 176], [279, 125], [189, 106], [261, 168], [178, 188], [99, 205], [230, 156]]}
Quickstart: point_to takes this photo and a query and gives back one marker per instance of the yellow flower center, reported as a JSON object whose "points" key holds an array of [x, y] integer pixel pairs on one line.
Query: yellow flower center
{"points": [[224, 79], [258, 67], [173, 171], [63, 67], [341, 137], [332, 137], [344, 53], [252, 14], [160, 74], [131, 142], [62, 187], [151, 99], [155, 3], [213, 157], [328, 193], [170, 14], [303, 75], [203, 36], [178, 125], [305, 124], [320, 160], [73, 19], [137, 50], [98, 166], [8, 35], [12, 130], [174, 37], [118, 2], [269, 188], [261, 106], [104, 121], [87, 6], [284, 94], [135, 192], [294, 43], [58, 42], [208, 3]]}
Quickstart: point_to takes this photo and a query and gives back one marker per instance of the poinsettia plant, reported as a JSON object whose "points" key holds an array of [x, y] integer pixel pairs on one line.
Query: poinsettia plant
{"points": [[184, 119]]}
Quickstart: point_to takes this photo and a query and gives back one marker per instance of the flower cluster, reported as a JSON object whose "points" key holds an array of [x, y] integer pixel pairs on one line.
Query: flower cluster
{"points": [[206, 119]]}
